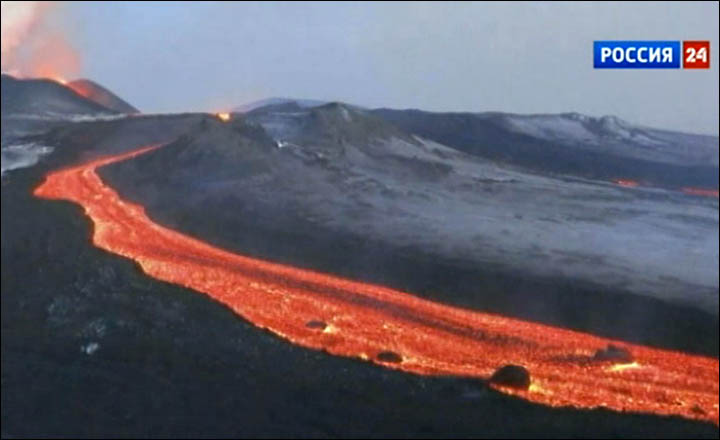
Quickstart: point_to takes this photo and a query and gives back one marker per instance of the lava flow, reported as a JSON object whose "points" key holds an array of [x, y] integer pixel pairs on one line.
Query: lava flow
{"points": [[393, 328], [626, 183], [700, 191]]}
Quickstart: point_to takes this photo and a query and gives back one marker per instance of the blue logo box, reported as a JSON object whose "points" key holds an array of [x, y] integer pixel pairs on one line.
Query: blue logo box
{"points": [[636, 54]]}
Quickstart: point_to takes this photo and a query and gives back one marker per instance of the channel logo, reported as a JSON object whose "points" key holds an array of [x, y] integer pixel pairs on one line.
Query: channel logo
{"points": [[651, 54], [696, 54]]}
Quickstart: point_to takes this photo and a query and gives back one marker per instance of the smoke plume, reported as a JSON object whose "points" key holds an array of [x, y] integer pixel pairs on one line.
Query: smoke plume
{"points": [[33, 45]]}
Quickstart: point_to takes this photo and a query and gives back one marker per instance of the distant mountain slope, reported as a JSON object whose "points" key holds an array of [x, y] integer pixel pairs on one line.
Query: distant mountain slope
{"points": [[99, 94], [329, 127], [44, 97], [601, 148], [215, 151], [304, 103]]}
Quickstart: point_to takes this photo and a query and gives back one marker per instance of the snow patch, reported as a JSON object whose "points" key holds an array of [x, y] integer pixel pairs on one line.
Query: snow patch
{"points": [[50, 116], [345, 114], [90, 348], [574, 128], [22, 155], [551, 127]]}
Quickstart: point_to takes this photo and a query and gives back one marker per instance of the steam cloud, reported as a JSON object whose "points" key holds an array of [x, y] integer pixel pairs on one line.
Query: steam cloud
{"points": [[34, 46]]}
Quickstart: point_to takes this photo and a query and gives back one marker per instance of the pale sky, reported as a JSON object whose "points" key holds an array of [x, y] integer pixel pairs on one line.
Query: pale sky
{"points": [[511, 57]]}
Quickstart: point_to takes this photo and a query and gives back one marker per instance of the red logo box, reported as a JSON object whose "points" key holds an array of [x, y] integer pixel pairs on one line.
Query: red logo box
{"points": [[696, 54]]}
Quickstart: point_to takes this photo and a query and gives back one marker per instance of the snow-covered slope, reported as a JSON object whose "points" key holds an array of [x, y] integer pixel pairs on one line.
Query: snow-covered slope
{"points": [[614, 135], [605, 148]]}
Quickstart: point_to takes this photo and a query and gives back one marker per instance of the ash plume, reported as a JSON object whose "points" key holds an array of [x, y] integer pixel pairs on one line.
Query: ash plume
{"points": [[33, 44]]}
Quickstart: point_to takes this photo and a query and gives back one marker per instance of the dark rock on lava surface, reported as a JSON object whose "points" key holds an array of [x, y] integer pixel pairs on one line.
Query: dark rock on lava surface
{"points": [[389, 356], [515, 376], [613, 353], [314, 324]]}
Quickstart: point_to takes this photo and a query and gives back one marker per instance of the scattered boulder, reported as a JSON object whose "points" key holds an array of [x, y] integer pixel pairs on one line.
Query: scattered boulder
{"points": [[316, 324], [389, 356], [613, 353], [515, 376]]}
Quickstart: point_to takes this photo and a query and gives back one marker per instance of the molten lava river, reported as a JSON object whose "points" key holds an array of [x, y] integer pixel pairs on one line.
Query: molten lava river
{"points": [[392, 328]]}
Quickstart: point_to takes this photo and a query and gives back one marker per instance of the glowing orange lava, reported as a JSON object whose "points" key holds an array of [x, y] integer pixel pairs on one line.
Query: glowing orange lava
{"points": [[626, 183], [223, 116], [623, 367], [85, 90], [365, 321], [700, 192]]}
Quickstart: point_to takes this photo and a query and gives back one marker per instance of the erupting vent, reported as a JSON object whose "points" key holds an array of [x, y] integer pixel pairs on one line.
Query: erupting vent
{"points": [[392, 328]]}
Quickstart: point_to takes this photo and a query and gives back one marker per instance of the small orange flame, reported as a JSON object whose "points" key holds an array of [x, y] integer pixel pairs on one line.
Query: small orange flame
{"points": [[223, 116]]}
